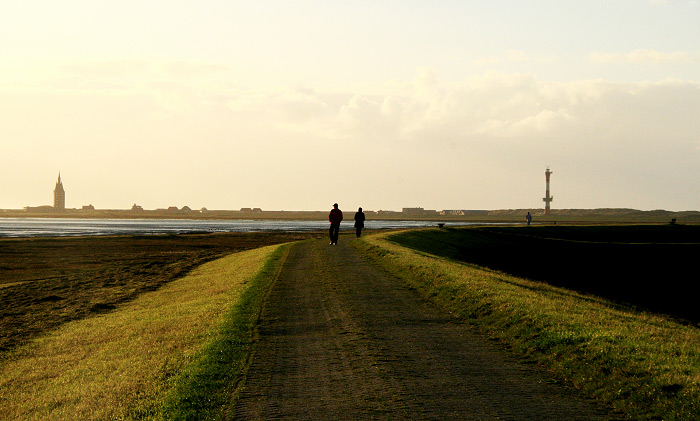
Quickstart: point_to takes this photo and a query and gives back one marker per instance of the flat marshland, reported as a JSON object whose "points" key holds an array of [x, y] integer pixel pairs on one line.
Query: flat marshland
{"points": [[127, 319], [161, 327], [46, 282], [635, 343]]}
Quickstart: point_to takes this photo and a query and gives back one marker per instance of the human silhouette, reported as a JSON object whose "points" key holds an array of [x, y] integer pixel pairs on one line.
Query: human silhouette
{"points": [[359, 222], [528, 218], [335, 217]]}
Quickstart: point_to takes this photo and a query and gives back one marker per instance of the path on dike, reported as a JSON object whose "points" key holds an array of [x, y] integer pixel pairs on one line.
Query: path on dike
{"points": [[339, 338]]}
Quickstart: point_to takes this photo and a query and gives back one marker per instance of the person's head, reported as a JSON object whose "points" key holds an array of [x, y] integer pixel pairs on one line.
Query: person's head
{"points": [[359, 210], [335, 205]]}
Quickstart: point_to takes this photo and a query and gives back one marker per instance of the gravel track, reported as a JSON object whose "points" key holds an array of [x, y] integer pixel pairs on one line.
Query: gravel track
{"points": [[341, 339]]}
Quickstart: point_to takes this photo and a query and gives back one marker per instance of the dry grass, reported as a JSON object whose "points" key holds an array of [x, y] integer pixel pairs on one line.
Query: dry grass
{"points": [[121, 364], [46, 282]]}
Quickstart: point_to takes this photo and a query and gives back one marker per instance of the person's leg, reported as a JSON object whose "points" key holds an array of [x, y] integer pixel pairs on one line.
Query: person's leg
{"points": [[334, 234], [330, 233]]}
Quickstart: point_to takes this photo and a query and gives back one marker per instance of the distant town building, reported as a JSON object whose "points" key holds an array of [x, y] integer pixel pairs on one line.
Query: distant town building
{"points": [[418, 212], [452, 212], [203, 210], [59, 200], [44, 208], [136, 208], [185, 209], [88, 208], [59, 195]]}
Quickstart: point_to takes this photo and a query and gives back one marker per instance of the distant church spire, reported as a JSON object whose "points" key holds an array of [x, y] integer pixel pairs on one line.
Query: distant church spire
{"points": [[59, 195]]}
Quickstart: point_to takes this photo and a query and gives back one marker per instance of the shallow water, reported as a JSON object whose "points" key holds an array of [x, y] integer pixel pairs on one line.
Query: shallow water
{"points": [[62, 227]]}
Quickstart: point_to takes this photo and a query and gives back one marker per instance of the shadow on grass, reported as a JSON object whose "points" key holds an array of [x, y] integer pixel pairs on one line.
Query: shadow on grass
{"points": [[649, 267]]}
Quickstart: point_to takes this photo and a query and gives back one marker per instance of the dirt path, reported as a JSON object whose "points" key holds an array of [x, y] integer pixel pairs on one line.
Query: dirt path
{"points": [[340, 339]]}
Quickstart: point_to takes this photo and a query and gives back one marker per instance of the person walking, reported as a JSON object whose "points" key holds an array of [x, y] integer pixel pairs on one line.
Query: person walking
{"points": [[359, 222], [528, 218], [335, 217]]}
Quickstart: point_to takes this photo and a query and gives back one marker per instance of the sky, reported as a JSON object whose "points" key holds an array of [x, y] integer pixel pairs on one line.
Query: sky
{"points": [[295, 105]]}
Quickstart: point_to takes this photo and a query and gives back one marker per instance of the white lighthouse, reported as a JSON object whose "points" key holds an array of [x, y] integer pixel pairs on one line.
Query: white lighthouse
{"points": [[547, 198]]}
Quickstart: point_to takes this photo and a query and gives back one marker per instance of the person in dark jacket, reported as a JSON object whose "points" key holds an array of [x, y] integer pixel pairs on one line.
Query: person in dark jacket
{"points": [[359, 222], [335, 217]]}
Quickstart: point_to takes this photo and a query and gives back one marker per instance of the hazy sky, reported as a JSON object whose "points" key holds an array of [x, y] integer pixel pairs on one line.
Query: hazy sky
{"points": [[294, 105]]}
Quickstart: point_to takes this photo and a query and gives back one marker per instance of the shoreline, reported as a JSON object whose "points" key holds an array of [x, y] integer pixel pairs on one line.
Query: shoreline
{"points": [[556, 216]]}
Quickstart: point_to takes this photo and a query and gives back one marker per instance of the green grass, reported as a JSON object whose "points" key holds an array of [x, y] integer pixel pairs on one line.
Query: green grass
{"points": [[161, 347], [208, 388], [645, 365]]}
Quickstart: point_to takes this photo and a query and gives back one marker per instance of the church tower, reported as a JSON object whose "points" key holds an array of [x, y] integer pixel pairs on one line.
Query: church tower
{"points": [[59, 195]]}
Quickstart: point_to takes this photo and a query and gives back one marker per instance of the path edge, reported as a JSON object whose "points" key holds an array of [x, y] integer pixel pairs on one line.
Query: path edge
{"points": [[210, 387]]}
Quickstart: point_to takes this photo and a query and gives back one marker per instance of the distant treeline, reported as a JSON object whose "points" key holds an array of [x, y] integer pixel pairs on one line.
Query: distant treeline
{"points": [[565, 216]]}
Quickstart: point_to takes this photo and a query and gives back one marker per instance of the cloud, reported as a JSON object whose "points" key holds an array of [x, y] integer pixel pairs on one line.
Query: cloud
{"points": [[410, 141], [646, 57], [514, 56]]}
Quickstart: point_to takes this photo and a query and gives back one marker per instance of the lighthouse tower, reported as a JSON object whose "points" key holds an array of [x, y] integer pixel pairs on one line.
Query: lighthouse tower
{"points": [[547, 198], [59, 195]]}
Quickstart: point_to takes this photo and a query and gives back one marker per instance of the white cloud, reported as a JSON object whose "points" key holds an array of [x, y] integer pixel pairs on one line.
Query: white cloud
{"points": [[515, 57], [494, 133], [646, 57]]}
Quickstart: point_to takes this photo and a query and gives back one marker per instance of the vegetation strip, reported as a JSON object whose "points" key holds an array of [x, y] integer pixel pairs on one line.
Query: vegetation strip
{"points": [[647, 366], [208, 388], [127, 362]]}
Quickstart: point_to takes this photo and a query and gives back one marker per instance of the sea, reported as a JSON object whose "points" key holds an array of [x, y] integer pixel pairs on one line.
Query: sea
{"points": [[66, 227]]}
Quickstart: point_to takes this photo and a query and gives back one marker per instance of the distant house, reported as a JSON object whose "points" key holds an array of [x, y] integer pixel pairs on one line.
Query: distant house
{"points": [[136, 208], [88, 208], [203, 210], [185, 209], [453, 212], [256, 210], [45, 208], [418, 211], [173, 209]]}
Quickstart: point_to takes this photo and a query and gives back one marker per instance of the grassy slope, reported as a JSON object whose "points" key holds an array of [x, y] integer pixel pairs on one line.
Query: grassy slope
{"points": [[646, 365], [158, 348], [600, 260]]}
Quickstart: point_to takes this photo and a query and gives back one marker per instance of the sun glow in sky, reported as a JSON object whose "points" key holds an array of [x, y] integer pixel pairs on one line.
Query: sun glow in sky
{"points": [[295, 105]]}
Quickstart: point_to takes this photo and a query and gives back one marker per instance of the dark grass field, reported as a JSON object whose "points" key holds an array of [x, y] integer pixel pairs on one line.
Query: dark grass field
{"points": [[651, 267], [45, 282]]}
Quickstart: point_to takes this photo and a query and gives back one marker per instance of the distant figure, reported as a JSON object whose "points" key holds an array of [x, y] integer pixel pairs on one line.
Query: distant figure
{"points": [[335, 217], [359, 222], [528, 218]]}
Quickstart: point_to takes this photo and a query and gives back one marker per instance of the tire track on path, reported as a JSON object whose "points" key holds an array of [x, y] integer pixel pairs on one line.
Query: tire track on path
{"points": [[341, 339]]}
